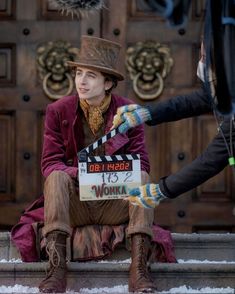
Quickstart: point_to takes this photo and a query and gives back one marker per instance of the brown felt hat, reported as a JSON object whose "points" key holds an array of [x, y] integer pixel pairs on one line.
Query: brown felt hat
{"points": [[98, 54]]}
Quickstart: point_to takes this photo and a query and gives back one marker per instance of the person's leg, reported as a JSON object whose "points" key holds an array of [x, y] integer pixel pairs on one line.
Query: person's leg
{"points": [[140, 219], [110, 212], [55, 280], [140, 233], [62, 207], [61, 203]]}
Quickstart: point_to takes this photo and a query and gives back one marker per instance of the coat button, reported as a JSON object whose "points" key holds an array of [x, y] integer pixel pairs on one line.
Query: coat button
{"points": [[65, 123], [69, 162]]}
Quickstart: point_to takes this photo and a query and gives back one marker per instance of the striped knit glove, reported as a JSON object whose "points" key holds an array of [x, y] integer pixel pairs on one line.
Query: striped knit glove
{"points": [[147, 196], [130, 116]]}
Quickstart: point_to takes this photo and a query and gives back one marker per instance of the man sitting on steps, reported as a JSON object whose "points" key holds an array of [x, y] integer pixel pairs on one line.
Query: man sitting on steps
{"points": [[71, 124]]}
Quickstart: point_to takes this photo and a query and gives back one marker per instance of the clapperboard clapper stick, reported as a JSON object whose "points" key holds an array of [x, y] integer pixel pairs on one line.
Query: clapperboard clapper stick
{"points": [[82, 155]]}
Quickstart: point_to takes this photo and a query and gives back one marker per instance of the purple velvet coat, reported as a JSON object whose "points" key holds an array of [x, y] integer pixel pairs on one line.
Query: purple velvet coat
{"points": [[63, 139], [64, 136]]}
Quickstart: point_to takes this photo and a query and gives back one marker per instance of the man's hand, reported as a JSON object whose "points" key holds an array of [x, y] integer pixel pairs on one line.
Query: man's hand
{"points": [[147, 196], [130, 116]]}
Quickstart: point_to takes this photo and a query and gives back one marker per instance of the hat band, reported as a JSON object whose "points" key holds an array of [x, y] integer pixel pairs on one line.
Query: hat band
{"points": [[96, 62]]}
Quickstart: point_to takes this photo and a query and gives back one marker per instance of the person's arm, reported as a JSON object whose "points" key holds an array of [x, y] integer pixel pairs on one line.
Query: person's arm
{"points": [[212, 161], [179, 107], [173, 109], [53, 154]]}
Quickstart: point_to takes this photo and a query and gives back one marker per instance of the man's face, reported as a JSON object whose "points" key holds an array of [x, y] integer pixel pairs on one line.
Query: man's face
{"points": [[90, 85]]}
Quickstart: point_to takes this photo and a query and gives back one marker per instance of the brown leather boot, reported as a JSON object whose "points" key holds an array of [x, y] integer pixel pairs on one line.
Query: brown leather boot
{"points": [[139, 277], [55, 281]]}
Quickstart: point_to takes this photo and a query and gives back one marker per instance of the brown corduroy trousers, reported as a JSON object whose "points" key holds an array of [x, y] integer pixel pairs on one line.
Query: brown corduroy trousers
{"points": [[63, 210]]}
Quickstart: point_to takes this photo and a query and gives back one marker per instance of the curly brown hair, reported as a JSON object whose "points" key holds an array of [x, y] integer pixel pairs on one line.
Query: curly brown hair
{"points": [[112, 79]]}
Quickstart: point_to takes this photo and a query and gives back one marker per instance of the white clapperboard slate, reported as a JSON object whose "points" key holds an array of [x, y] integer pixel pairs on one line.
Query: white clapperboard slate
{"points": [[107, 177]]}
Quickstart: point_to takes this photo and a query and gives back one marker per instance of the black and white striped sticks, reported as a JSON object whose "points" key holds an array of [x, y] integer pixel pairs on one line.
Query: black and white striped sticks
{"points": [[82, 155]]}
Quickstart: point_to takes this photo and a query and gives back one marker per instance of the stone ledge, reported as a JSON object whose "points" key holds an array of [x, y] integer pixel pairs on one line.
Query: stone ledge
{"points": [[203, 238], [93, 274], [124, 267], [216, 247]]}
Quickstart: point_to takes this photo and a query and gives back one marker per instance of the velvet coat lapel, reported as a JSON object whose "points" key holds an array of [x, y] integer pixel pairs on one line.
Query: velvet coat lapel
{"points": [[64, 136]]}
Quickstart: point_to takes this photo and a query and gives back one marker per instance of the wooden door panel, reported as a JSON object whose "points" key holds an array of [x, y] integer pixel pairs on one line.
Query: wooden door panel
{"points": [[218, 188], [7, 9], [24, 26], [7, 64], [26, 163], [7, 156]]}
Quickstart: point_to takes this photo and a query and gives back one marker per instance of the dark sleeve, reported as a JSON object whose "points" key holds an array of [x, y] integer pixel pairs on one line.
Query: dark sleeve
{"points": [[212, 161], [180, 107]]}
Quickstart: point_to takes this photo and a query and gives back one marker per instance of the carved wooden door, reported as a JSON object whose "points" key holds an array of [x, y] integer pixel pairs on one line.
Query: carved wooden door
{"points": [[26, 28], [171, 146], [26, 62]]}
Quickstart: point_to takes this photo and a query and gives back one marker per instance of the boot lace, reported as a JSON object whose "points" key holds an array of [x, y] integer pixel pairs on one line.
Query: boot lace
{"points": [[52, 252], [143, 259]]}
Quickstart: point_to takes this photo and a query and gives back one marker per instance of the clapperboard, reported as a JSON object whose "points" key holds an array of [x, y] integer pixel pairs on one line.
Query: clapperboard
{"points": [[107, 177]]}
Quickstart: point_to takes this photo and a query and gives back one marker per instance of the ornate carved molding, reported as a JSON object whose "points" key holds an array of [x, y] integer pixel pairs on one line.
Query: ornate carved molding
{"points": [[52, 68], [148, 63]]}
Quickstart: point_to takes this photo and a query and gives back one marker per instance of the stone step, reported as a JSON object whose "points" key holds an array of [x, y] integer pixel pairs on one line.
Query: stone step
{"points": [[108, 274], [216, 247]]}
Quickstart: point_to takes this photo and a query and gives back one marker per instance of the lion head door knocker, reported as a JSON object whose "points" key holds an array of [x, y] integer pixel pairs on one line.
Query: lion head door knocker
{"points": [[52, 67], [148, 64]]}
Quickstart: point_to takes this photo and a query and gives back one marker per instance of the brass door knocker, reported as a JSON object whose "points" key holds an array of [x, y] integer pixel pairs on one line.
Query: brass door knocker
{"points": [[148, 64], [54, 95], [53, 70]]}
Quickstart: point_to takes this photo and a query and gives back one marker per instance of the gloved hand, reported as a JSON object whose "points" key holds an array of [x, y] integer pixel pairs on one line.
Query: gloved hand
{"points": [[130, 116], [147, 196]]}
